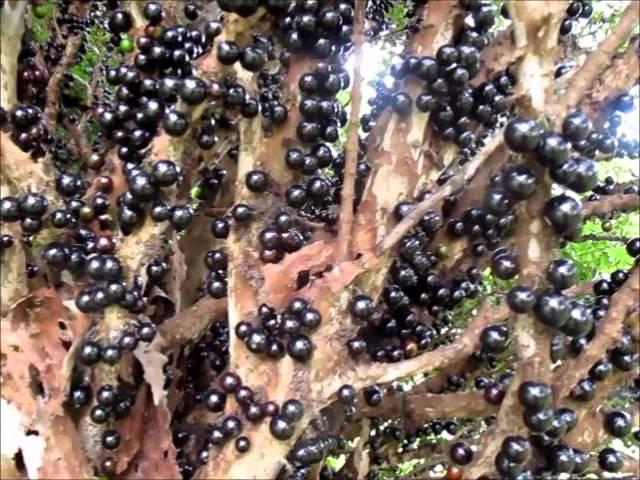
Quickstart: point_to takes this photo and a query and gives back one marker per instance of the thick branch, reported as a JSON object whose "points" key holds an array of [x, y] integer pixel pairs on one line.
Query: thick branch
{"points": [[599, 59], [351, 147], [421, 407], [12, 19]]}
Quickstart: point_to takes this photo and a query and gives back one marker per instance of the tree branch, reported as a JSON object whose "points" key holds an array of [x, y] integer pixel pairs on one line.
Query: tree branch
{"points": [[608, 237], [620, 76], [421, 407], [351, 147], [80, 140], [599, 59], [463, 346], [467, 172], [357, 464], [608, 330], [191, 323], [52, 102], [609, 204], [589, 432]]}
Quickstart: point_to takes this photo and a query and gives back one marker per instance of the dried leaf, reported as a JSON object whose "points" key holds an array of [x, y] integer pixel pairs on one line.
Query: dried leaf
{"points": [[152, 362], [280, 278]]}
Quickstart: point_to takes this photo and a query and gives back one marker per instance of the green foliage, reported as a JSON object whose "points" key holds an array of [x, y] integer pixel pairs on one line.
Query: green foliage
{"points": [[92, 130], [606, 14], [394, 471], [397, 14], [594, 258], [41, 25], [344, 97]]}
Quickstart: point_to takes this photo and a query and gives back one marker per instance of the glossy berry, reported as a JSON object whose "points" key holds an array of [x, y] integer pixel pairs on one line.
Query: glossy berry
{"points": [[401, 103], [242, 444], [252, 58], [552, 308], [617, 423], [505, 266], [362, 306], [9, 209], [610, 460], [633, 247], [461, 453], [373, 395], [576, 126], [523, 135], [515, 449], [562, 273], [553, 150], [215, 400], [229, 382], [228, 52], [175, 123], [584, 390], [521, 299], [257, 181], [99, 414], [347, 394], [89, 353], [110, 439], [120, 21], [494, 338], [300, 348], [79, 396], [563, 213], [601, 370], [534, 395], [538, 421], [281, 428], [520, 182]]}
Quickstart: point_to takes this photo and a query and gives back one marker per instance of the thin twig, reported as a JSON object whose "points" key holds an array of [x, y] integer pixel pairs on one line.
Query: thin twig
{"points": [[351, 148], [82, 146], [608, 237], [600, 58], [191, 323], [55, 84], [466, 173], [608, 204]]}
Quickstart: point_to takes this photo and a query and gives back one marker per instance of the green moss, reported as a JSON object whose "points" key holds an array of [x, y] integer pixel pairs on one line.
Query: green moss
{"points": [[95, 52], [41, 21]]}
